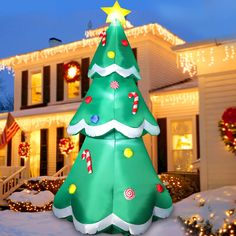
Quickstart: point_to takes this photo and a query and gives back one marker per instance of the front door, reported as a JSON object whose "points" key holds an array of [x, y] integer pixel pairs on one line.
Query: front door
{"points": [[34, 153]]}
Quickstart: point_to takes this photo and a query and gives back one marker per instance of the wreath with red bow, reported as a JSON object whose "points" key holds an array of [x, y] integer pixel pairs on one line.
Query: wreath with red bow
{"points": [[227, 126], [66, 146], [72, 71], [24, 149]]}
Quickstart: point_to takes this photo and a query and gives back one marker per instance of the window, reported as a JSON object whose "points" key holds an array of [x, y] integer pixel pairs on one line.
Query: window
{"points": [[73, 89], [75, 151], [2, 156], [182, 144], [36, 88]]}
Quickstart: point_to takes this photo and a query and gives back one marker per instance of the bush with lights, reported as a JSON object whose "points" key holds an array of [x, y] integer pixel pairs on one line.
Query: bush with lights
{"points": [[179, 187], [28, 207], [197, 226], [51, 185], [34, 187]]}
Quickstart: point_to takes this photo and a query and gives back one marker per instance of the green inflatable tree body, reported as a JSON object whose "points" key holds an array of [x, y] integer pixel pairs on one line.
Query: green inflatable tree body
{"points": [[112, 186]]}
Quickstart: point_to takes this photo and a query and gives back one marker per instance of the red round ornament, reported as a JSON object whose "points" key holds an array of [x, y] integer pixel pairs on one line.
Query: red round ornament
{"points": [[88, 99], [160, 188], [125, 42]]}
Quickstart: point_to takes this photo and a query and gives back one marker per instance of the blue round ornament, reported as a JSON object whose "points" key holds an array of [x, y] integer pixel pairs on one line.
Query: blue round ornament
{"points": [[94, 119]]}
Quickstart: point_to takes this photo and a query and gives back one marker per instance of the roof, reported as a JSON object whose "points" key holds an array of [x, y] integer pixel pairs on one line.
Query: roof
{"points": [[202, 44], [184, 84], [154, 29]]}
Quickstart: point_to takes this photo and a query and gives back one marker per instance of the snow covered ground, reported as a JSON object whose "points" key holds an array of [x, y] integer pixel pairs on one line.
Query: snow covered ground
{"points": [[210, 205]]}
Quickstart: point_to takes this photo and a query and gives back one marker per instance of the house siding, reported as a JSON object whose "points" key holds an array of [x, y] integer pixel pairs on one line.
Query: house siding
{"points": [[217, 93]]}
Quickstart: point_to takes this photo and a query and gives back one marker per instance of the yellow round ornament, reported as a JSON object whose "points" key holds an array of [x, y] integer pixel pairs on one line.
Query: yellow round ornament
{"points": [[72, 189], [128, 152], [111, 54]]}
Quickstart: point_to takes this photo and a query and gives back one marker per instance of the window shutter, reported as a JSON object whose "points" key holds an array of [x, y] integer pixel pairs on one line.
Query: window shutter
{"points": [[81, 140], [162, 146], [60, 82], [9, 152], [198, 136], [46, 84], [59, 156], [135, 53], [24, 88], [43, 152], [22, 160], [84, 76]]}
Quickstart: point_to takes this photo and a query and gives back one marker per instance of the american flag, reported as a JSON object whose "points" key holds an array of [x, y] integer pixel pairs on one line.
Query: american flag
{"points": [[9, 131]]}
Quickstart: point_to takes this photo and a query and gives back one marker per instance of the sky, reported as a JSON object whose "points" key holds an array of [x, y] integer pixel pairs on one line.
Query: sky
{"points": [[27, 25]]}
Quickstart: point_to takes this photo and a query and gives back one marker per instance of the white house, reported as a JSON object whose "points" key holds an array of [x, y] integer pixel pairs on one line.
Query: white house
{"points": [[214, 63], [44, 103]]}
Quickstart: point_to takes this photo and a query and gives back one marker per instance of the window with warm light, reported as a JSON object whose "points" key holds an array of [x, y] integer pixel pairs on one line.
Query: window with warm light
{"points": [[182, 144], [73, 89], [75, 151], [2, 156], [36, 88]]}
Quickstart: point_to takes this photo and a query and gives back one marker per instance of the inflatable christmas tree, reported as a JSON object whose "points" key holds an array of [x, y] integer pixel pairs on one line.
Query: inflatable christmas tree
{"points": [[112, 186]]}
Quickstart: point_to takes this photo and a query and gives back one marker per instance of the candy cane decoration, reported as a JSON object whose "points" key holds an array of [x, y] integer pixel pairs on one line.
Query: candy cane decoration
{"points": [[135, 103], [86, 154], [103, 35]]}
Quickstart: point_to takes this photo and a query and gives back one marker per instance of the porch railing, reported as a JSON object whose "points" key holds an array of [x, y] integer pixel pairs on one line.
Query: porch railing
{"points": [[11, 183], [63, 171]]}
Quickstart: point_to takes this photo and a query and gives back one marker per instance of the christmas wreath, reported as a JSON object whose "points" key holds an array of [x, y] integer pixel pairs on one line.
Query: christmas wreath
{"points": [[227, 126], [71, 71], [66, 146], [24, 149]]}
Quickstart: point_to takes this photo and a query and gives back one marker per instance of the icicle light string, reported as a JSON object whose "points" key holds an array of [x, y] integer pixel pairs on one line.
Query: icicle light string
{"points": [[188, 60], [154, 29]]}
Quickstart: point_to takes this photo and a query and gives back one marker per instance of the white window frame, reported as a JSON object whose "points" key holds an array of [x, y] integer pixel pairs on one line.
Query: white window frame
{"points": [[170, 142], [31, 72]]}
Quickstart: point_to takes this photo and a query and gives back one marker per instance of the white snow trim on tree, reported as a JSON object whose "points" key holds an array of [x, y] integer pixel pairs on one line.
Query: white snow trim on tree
{"points": [[114, 68], [94, 131], [112, 219]]}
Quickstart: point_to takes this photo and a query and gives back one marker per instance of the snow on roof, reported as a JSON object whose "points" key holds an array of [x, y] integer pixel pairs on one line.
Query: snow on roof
{"points": [[154, 29]]}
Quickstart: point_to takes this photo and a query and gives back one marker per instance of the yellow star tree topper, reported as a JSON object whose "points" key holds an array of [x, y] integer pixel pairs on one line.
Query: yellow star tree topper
{"points": [[116, 12]]}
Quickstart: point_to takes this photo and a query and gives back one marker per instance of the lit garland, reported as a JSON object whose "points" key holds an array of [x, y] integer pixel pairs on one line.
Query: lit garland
{"points": [[72, 71], [179, 187], [154, 29], [24, 150], [28, 207], [187, 98], [227, 127], [66, 146], [45, 184]]}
